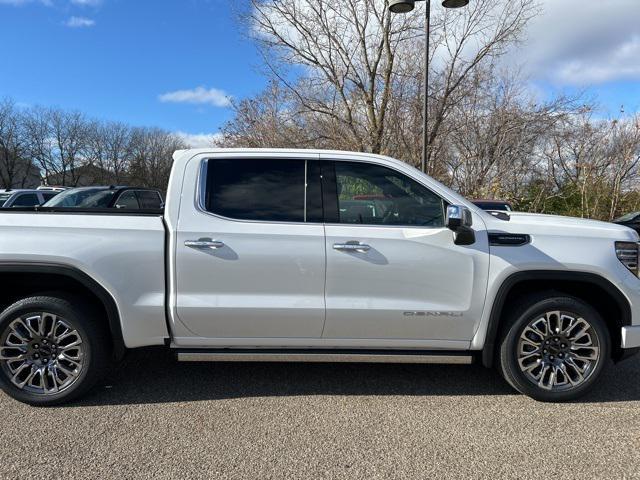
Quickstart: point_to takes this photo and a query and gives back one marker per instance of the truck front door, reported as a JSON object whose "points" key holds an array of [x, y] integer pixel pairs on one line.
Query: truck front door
{"points": [[394, 274]]}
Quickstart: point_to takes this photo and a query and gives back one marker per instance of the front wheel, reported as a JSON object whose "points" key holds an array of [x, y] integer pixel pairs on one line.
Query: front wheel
{"points": [[554, 348], [52, 349]]}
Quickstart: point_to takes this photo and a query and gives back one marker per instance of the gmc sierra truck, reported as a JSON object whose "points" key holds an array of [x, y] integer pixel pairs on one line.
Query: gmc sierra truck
{"points": [[302, 255]]}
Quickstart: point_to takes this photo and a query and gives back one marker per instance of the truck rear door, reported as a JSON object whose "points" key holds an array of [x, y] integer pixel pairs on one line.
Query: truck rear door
{"points": [[250, 251]]}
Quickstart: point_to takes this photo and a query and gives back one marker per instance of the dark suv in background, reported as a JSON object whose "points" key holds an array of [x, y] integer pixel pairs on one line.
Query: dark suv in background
{"points": [[631, 220], [21, 198]]}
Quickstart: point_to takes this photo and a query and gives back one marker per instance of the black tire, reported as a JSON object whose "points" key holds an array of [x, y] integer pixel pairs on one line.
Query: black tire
{"points": [[82, 317], [535, 306]]}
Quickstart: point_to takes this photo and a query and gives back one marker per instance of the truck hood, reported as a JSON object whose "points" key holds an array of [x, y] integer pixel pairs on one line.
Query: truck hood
{"points": [[533, 223]]}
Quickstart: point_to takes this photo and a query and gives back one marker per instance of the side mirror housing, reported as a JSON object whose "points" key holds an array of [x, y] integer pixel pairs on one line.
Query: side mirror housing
{"points": [[459, 220]]}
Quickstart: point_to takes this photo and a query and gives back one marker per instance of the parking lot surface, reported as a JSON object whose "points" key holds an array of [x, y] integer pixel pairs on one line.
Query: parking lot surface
{"points": [[156, 418]]}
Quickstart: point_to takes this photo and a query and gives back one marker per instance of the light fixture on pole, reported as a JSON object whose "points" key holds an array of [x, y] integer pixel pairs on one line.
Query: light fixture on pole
{"points": [[405, 6]]}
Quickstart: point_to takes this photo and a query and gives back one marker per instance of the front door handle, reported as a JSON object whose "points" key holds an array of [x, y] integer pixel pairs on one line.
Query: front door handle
{"points": [[204, 243], [352, 246]]}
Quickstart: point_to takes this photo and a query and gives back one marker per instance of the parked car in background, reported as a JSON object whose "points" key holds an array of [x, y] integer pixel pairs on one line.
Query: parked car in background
{"points": [[24, 198], [493, 205], [50, 188], [130, 198], [631, 220]]}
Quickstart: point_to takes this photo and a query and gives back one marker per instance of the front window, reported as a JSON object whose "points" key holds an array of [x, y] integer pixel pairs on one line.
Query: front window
{"points": [[48, 195], [375, 195], [128, 200], [83, 198], [3, 198]]}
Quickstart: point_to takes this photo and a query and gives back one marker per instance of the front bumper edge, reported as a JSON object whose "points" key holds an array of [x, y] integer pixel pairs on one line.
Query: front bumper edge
{"points": [[631, 337]]}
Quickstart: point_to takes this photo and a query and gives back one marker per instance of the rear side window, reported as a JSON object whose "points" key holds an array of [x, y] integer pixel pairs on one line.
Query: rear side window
{"points": [[26, 200], [256, 189], [149, 200]]}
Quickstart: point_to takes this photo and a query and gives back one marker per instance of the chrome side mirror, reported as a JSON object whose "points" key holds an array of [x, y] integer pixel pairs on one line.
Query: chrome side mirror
{"points": [[460, 220], [458, 216]]}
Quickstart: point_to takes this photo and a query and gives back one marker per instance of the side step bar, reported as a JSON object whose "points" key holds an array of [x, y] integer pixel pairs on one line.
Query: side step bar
{"points": [[328, 356]]}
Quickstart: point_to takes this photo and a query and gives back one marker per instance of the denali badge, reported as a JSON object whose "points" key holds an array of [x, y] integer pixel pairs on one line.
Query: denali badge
{"points": [[433, 314]]}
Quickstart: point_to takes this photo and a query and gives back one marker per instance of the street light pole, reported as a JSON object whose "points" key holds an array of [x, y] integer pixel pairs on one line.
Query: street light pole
{"points": [[404, 6], [425, 106]]}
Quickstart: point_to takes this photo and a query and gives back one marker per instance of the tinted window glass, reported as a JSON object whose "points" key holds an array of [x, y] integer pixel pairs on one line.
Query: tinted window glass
{"points": [[26, 200], [374, 195], [256, 189], [149, 199], [48, 196], [83, 198], [3, 198], [128, 199]]}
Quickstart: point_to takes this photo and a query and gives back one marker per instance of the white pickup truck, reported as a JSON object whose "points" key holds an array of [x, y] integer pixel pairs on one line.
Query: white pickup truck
{"points": [[302, 255]]}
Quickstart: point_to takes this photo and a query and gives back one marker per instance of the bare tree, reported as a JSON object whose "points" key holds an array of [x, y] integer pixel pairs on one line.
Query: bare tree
{"points": [[152, 156], [348, 50], [360, 61], [109, 149], [58, 140], [16, 169]]}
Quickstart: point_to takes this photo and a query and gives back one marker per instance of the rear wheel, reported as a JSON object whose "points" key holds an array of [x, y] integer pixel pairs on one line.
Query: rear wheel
{"points": [[554, 348], [52, 349]]}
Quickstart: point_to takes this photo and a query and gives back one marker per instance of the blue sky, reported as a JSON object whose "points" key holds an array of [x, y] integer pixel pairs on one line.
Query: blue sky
{"points": [[171, 63], [134, 51]]}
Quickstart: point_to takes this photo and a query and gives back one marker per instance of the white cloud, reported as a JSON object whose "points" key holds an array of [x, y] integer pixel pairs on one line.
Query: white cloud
{"points": [[87, 3], [199, 95], [577, 42], [200, 140], [79, 22]]}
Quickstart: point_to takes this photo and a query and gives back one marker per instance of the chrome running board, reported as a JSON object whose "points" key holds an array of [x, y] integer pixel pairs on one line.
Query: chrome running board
{"points": [[338, 356]]}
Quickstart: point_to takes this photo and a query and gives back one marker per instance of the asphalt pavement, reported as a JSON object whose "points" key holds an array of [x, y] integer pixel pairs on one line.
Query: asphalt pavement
{"points": [[156, 418]]}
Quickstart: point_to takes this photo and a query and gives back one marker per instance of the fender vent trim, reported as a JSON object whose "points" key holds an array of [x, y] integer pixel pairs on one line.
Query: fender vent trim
{"points": [[501, 239]]}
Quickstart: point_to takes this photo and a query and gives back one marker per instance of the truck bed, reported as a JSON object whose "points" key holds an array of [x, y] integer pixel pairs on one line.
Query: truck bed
{"points": [[124, 251]]}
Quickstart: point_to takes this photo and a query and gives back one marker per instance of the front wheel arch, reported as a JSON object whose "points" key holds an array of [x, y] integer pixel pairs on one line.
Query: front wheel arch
{"points": [[594, 289]]}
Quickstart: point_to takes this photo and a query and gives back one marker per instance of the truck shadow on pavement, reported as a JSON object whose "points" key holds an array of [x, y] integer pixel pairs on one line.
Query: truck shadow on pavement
{"points": [[151, 375]]}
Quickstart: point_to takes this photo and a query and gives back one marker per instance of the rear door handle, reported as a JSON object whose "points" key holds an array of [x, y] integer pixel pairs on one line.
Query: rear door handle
{"points": [[352, 247], [203, 243]]}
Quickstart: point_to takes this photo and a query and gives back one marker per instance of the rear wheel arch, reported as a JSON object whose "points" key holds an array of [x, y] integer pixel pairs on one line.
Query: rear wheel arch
{"points": [[28, 279], [594, 289]]}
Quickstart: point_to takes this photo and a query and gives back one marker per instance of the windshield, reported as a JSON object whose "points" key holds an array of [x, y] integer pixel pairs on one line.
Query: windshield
{"points": [[625, 218], [3, 198], [83, 198]]}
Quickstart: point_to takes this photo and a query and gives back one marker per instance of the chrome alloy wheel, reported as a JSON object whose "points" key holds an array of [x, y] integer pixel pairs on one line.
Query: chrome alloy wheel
{"points": [[41, 353], [558, 351]]}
